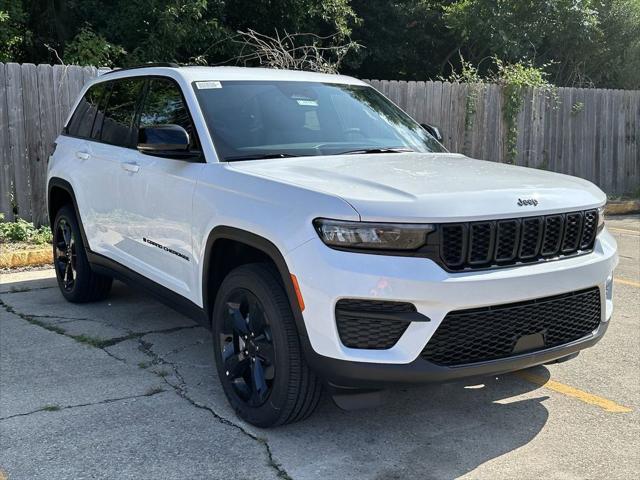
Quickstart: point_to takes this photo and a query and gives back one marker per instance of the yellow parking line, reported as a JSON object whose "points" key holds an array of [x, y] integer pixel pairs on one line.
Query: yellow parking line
{"points": [[623, 230], [627, 282], [606, 405]]}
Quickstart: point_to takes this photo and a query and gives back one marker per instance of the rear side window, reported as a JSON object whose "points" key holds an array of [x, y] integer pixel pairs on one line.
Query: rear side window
{"points": [[118, 123], [81, 122], [164, 105]]}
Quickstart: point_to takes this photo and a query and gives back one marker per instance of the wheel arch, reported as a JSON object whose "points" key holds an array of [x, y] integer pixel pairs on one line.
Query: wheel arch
{"points": [[60, 193], [217, 237]]}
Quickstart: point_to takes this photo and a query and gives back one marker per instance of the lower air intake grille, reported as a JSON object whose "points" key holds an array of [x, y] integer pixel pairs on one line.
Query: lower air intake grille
{"points": [[478, 335], [357, 330]]}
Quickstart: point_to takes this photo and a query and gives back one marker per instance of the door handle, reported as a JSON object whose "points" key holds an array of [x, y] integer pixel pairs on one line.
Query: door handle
{"points": [[83, 155], [131, 167]]}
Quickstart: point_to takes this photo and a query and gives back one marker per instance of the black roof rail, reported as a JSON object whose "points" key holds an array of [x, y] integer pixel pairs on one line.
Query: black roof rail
{"points": [[144, 65]]}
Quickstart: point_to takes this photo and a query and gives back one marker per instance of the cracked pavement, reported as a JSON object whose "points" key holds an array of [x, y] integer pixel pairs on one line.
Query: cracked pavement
{"points": [[126, 388]]}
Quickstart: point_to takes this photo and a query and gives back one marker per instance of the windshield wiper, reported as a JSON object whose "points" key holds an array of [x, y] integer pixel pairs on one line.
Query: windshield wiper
{"points": [[260, 156], [376, 150]]}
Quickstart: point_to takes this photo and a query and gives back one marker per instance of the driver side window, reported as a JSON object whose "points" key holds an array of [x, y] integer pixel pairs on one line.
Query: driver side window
{"points": [[164, 105]]}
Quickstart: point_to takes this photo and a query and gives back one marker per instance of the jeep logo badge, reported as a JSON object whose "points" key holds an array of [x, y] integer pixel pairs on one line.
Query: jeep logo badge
{"points": [[527, 201]]}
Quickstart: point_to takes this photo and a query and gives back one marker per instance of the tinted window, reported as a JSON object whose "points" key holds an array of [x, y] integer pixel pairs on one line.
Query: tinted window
{"points": [[82, 120], [96, 132], [164, 106], [117, 126], [265, 118]]}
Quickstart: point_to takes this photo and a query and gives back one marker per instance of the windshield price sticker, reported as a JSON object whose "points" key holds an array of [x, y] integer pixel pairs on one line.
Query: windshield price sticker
{"points": [[208, 85]]}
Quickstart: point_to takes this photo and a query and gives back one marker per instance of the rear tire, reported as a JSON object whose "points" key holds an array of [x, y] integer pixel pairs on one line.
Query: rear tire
{"points": [[257, 349], [77, 282]]}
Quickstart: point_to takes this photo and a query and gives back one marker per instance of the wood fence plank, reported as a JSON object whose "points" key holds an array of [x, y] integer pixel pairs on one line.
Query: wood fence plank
{"points": [[6, 165], [17, 142], [445, 117], [410, 99], [421, 100], [34, 166], [460, 97], [48, 132], [588, 132], [76, 82], [61, 94], [633, 141], [620, 158]]}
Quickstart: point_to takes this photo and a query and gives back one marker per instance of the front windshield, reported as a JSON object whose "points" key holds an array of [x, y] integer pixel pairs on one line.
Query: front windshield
{"points": [[267, 119]]}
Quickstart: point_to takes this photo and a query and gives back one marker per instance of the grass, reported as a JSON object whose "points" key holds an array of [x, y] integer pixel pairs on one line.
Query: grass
{"points": [[92, 341], [51, 408]]}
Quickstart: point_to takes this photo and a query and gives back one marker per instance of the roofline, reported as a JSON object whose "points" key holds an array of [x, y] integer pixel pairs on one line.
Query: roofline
{"points": [[144, 65]]}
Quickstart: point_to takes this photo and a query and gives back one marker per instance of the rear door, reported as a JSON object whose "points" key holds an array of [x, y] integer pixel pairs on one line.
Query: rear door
{"points": [[113, 148], [92, 174], [157, 194]]}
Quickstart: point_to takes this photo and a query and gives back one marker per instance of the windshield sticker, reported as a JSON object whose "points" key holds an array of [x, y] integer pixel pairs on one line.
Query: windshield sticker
{"points": [[307, 103], [208, 85]]}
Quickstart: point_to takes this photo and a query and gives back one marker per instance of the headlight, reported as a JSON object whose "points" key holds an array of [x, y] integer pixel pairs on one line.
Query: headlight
{"points": [[601, 218], [379, 236]]}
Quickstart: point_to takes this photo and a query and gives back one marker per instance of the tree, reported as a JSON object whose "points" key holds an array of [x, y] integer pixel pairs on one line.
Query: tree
{"points": [[574, 36], [583, 42], [13, 32]]}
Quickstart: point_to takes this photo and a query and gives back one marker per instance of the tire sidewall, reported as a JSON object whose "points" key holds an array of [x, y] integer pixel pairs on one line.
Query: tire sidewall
{"points": [[81, 266], [264, 287]]}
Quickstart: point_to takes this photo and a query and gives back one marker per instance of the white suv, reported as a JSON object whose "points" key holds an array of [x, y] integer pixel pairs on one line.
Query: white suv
{"points": [[325, 237]]}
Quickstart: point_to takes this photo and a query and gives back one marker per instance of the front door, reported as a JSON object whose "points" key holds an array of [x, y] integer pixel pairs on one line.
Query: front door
{"points": [[157, 194]]}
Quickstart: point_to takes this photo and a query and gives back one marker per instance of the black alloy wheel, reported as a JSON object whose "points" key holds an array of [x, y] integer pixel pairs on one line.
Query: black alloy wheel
{"points": [[258, 352], [65, 255], [77, 281], [247, 349]]}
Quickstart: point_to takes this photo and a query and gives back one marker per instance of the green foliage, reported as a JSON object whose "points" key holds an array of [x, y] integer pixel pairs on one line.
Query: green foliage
{"points": [[51, 408], [577, 107], [581, 42], [515, 80], [12, 31], [90, 48], [23, 231], [469, 74], [586, 42]]}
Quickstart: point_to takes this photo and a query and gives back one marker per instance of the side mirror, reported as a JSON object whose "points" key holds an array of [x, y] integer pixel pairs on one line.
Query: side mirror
{"points": [[434, 131], [163, 140]]}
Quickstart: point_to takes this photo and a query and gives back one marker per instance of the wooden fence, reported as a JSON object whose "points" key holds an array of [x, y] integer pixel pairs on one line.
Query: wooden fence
{"points": [[590, 133], [34, 103]]}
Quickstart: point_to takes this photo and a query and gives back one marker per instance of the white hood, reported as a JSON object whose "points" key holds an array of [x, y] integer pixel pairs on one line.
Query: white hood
{"points": [[428, 187]]}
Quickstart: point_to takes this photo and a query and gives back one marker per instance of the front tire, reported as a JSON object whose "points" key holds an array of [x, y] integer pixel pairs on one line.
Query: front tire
{"points": [[77, 282], [258, 353]]}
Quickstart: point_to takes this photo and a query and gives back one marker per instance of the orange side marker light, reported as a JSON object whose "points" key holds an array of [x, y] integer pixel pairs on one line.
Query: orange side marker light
{"points": [[296, 287]]}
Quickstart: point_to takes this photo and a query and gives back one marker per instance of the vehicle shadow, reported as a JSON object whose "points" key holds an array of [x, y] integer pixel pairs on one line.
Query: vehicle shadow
{"points": [[428, 432], [437, 431]]}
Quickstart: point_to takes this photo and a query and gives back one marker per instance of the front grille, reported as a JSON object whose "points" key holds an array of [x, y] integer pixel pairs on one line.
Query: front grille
{"points": [[358, 330], [482, 334], [507, 242]]}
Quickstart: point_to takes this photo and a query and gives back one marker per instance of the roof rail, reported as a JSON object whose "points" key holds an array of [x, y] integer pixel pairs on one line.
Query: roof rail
{"points": [[144, 65]]}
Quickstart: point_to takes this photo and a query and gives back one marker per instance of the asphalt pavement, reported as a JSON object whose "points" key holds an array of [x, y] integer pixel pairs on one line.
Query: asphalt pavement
{"points": [[126, 389]]}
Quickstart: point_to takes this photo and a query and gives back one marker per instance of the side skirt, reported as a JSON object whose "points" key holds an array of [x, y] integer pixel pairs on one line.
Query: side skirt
{"points": [[106, 266]]}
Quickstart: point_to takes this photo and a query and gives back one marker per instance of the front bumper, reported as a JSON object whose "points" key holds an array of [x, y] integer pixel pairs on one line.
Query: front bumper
{"points": [[326, 276], [379, 375]]}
